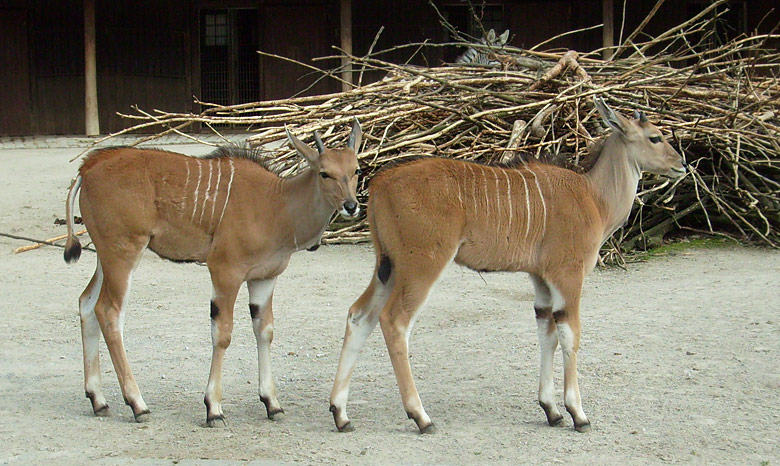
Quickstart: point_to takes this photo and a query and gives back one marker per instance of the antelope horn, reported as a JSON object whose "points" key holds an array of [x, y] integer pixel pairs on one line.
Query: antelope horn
{"points": [[318, 143]]}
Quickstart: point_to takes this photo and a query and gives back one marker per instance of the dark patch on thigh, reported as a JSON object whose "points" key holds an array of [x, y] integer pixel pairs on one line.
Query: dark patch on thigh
{"points": [[254, 310], [214, 310], [385, 268]]}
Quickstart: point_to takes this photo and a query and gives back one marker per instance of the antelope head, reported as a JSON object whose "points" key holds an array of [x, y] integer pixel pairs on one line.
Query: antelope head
{"points": [[337, 170], [644, 143]]}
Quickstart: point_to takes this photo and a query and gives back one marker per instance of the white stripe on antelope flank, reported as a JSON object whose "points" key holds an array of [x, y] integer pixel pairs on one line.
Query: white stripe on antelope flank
{"points": [[197, 189], [541, 197], [186, 185], [216, 191], [227, 196], [206, 194], [527, 206], [509, 198]]}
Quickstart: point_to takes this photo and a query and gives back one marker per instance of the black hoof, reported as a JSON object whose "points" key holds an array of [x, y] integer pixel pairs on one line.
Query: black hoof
{"points": [[216, 421], [429, 429], [276, 414], [584, 427], [555, 421], [271, 412], [346, 427], [102, 411], [143, 416]]}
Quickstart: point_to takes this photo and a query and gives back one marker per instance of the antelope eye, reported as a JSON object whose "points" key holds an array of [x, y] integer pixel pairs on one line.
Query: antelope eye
{"points": [[324, 175], [655, 139]]}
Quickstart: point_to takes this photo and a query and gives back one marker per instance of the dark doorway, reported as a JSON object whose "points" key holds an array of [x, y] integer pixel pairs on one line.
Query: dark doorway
{"points": [[15, 101], [229, 63]]}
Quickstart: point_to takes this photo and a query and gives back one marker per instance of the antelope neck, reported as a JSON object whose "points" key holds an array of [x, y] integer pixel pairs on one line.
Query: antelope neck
{"points": [[615, 179], [307, 210]]}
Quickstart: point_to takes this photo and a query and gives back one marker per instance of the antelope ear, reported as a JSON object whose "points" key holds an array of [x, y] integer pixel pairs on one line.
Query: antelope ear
{"points": [[355, 137], [503, 38], [491, 36], [306, 151], [609, 117]]}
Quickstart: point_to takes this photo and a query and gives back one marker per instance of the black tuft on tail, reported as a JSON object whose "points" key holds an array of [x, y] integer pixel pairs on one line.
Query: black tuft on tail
{"points": [[72, 250]]}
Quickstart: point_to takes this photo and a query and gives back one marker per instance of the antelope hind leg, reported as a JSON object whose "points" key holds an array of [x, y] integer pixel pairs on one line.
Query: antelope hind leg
{"points": [[361, 320]]}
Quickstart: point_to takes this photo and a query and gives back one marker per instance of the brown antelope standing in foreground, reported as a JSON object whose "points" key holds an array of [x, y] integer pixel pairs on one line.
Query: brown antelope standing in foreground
{"points": [[541, 219], [226, 210]]}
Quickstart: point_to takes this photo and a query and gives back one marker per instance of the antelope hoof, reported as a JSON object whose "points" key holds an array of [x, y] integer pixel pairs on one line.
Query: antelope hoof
{"points": [[272, 412], [102, 411], [216, 421], [429, 429], [584, 427], [348, 427], [276, 414], [143, 416]]}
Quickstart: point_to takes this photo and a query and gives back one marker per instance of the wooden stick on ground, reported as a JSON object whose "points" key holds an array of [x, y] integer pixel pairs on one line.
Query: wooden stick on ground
{"points": [[45, 242]]}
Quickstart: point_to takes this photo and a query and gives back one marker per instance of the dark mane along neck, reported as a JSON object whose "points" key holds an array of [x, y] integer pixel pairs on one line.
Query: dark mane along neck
{"points": [[255, 155]]}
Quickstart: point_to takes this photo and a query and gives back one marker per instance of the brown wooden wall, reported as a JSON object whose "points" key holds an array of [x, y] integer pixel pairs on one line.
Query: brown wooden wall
{"points": [[149, 51]]}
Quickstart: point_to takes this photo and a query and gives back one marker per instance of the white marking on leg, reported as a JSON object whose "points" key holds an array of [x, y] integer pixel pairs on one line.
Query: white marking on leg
{"points": [[216, 191], [206, 194], [91, 335], [295, 241], [260, 292], [227, 196], [541, 197], [548, 341], [197, 189], [186, 185]]}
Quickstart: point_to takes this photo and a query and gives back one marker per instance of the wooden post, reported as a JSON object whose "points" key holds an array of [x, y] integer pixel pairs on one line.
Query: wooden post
{"points": [[92, 121], [346, 43], [608, 36]]}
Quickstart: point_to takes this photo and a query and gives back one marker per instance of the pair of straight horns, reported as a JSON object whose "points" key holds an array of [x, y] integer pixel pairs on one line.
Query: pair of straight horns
{"points": [[353, 137]]}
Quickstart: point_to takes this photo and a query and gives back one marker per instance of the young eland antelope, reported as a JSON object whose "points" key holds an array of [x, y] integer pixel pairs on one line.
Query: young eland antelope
{"points": [[225, 209], [541, 219]]}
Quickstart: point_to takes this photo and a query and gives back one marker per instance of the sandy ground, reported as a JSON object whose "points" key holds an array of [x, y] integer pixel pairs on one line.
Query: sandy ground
{"points": [[678, 362]]}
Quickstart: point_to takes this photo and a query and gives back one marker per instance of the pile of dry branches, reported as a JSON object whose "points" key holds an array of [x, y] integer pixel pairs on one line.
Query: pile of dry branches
{"points": [[720, 103]]}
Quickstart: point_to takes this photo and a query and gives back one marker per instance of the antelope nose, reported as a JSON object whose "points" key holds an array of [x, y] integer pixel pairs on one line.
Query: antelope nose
{"points": [[350, 207]]}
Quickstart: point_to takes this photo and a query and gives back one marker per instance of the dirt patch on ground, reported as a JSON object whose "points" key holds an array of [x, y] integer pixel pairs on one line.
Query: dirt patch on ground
{"points": [[678, 359]]}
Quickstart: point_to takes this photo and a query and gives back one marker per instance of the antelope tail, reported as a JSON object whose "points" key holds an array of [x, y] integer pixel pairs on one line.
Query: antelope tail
{"points": [[72, 246]]}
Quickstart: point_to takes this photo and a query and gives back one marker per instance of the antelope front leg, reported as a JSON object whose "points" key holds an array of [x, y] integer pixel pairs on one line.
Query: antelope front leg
{"points": [[548, 342], [222, 302], [567, 321], [261, 310], [361, 321]]}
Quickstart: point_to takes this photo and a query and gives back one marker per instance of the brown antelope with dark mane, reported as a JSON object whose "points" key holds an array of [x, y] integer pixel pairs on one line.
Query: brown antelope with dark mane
{"points": [[226, 210], [544, 220]]}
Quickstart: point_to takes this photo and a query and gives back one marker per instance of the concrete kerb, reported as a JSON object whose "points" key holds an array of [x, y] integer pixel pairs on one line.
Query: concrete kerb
{"points": [[76, 141]]}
